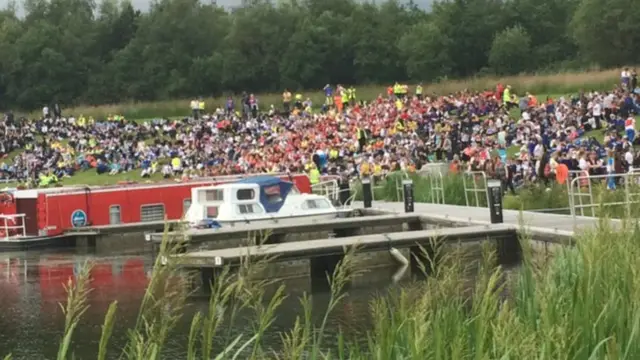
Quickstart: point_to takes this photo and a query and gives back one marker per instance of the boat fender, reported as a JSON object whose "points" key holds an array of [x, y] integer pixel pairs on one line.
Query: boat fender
{"points": [[397, 255], [399, 274], [6, 198]]}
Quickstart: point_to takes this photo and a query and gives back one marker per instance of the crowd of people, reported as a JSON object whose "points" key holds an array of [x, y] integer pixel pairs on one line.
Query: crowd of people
{"points": [[402, 129]]}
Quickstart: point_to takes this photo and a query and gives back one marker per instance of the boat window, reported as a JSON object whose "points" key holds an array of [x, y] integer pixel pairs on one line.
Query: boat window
{"points": [[214, 195], [249, 209], [152, 212], [322, 204], [114, 215], [316, 204], [245, 194], [212, 212], [186, 204]]}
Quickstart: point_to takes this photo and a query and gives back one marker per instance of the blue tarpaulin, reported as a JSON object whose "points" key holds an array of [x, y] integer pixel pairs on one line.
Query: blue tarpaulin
{"points": [[273, 191]]}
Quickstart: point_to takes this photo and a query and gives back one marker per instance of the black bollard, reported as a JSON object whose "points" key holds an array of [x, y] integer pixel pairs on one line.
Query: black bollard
{"points": [[494, 189], [367, 196], [407, 191]]}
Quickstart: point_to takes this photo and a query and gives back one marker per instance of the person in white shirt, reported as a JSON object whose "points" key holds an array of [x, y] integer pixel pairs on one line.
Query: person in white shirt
{"points": [[596, 111], [625, 76], [628, 158], [582, 162]]}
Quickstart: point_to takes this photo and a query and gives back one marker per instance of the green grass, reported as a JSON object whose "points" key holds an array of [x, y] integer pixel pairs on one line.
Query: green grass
{"points": [[91, 177], [578, 303]]}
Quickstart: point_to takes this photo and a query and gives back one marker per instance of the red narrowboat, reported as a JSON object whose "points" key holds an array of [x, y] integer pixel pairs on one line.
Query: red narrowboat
{"points": [[53, 211]]}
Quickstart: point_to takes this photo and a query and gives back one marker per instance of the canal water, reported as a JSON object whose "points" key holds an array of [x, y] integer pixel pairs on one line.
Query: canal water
{"points": [[31, 321]]}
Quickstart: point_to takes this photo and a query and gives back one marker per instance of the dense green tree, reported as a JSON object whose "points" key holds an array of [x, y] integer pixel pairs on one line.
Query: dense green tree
{"points": [[547, 23], [82, 51], [510, 51], [426, 52], [608, 31]]}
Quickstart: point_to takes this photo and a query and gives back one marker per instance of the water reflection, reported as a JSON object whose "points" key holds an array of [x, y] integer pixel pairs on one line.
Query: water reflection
{"points": [[31, 321]]}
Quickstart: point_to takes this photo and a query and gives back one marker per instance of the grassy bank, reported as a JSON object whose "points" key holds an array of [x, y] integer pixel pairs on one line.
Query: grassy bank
{"points": [[581, 303], [561, 83]]}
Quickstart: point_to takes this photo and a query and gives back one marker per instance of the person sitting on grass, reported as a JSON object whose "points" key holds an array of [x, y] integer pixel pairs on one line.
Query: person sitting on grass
{"points": [[101, 167], [176, 165], [115, 168], [167, 172]]}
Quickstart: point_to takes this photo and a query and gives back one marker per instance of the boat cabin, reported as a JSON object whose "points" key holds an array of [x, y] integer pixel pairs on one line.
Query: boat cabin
{"points": [[263, 197]]}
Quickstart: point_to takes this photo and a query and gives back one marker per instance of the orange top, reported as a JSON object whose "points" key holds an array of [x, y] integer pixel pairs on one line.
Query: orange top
{"points": [[562, 173]]}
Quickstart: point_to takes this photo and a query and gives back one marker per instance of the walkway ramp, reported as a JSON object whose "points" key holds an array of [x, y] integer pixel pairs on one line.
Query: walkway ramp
{"points": [[480, 216]]}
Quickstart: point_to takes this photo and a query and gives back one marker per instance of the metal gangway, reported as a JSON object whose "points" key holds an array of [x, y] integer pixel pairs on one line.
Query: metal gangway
{"points": [[475, 188], [436, 184], [622, 190]]}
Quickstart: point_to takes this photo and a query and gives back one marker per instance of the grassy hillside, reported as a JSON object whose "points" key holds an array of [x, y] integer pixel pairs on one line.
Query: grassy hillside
{"points": [[561, 83]]}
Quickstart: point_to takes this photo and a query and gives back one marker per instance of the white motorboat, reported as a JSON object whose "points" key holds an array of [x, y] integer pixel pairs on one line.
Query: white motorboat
{"points": [[256, 200]]}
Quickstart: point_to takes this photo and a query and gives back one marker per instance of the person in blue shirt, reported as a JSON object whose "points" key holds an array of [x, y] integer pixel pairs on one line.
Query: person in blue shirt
{"points": [[230, 107], [328, 94]]}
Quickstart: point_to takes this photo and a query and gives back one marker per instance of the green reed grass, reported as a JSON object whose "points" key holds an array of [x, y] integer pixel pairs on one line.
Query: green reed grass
{"points": [[582, 303]]}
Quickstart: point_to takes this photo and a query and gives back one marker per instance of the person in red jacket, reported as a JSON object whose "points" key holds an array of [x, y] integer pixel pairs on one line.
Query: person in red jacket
{"points": [[499, 91]]}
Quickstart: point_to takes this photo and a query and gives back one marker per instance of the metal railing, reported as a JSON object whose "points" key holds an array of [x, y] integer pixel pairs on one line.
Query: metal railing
{"points": [[348, 204], [328, 188], [479, 187], [11, 223], [399, 187], [436, 184], [581, 189], [573, 175]]}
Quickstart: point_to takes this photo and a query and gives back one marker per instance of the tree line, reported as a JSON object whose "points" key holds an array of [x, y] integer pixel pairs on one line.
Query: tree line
{"points": [[77, 51]]}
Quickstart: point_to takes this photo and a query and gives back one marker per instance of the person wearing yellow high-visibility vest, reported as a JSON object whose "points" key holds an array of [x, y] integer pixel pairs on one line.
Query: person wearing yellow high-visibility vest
{"points": [[344, 97], [176, 165], [201, 108], [195, 108], [44, 180], [396, 90], [419, 91], [314, 175], [506, 96], [404, 91], [352, 95]]}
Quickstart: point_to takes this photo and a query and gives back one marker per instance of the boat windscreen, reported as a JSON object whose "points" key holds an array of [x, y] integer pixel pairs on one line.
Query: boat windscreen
{"points": [[272, 196]]}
